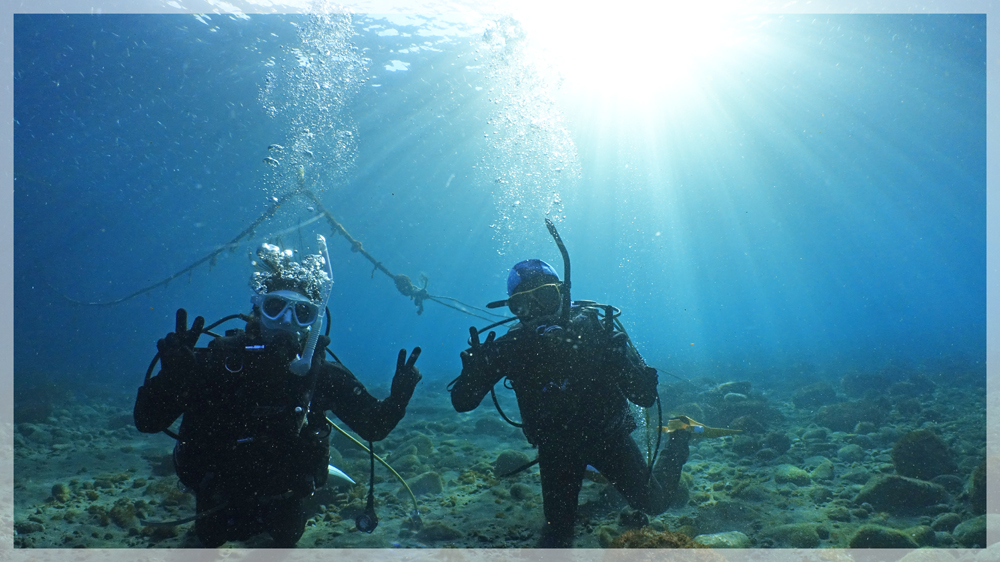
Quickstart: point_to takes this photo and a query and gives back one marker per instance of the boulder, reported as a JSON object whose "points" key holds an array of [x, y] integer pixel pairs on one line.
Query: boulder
{"points": [[838, 513], [876, 536], [845, 416], [857, 476], [922, 535], [492, 426], [437, 531], [426, 483], [971, 533], [778, 441], [814, 396], [520, 491], [729, 539], [823, 472], [726, 515], [796, 535], [739, 387], [952, 483], [747, 425], [922, 454], [788, 474], [766, 455], [508, 461], [815, 434], [851, 453], [422, 443], [898, 494], [746, 445], [946, 522]]}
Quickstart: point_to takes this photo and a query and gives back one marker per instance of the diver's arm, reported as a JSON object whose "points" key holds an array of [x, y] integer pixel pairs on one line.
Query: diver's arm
{"points": [[636, 380], [481, 369], [344, 395], [163, 398], [160, 402], [476, 379]]}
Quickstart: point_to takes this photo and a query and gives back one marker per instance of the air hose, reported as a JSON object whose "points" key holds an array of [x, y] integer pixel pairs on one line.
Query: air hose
{"points": [[416, 510]]}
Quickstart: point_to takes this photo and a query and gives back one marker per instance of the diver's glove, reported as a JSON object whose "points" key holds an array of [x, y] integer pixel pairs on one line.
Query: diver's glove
{"points": [[177, 348], [616, 350], [479, 355], [406, 378], [636, 380]]}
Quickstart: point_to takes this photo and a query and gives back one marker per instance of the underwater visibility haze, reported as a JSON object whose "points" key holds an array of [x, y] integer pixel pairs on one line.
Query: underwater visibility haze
{"points": [[791, 203]]}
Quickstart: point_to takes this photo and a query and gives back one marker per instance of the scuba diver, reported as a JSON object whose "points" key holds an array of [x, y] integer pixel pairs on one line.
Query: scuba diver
{"points": [[573, 374], [254, 438]]}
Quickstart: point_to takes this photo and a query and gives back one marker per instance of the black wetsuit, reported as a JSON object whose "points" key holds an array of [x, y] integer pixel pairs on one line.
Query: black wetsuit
{"points": [[573, 385], [246, 448]]}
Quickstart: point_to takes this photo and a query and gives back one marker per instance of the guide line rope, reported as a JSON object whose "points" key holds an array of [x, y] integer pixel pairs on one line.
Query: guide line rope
{"points": [[403, 283]]}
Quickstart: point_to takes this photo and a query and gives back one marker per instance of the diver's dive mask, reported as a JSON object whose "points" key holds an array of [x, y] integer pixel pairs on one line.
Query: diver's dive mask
{"points": [[543, 300], [287, 311]]}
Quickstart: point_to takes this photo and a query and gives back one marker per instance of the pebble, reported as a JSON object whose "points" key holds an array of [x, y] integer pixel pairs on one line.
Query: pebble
{"points": [[729, 539]]}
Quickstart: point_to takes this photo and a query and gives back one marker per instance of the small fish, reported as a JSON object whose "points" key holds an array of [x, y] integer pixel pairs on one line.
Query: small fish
{"points": [[308, 153], [275, 147], [698, 430], [271, 161]]}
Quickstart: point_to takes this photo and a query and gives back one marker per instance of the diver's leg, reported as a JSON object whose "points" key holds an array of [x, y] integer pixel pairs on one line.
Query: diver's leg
{"points": [[247, 520], [561, 470], [623, 465], [671, 461], [211, 527], [620, 461], [286, 522]]}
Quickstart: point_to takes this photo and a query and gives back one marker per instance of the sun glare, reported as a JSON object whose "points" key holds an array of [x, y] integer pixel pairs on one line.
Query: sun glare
{"points": [[629, 55]]}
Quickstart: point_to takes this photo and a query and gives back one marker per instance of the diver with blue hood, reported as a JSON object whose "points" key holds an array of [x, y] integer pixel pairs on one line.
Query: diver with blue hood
{"points": [[254, 438], [573, 372]]}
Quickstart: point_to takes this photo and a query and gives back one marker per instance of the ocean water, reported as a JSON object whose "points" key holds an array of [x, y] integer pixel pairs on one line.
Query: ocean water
{"points": [[782, 199]]}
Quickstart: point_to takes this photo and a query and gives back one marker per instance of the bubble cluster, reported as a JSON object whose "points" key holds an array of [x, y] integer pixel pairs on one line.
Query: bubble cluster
{"points": [[276, 271], [532, 158], [310, 87]]}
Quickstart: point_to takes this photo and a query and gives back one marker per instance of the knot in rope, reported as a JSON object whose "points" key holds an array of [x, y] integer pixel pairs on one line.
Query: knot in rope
{"points": [[404, 285], [407, 288]]}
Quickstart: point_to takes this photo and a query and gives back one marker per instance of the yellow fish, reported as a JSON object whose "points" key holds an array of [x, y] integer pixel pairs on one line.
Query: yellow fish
{"points": [[698, 429]]}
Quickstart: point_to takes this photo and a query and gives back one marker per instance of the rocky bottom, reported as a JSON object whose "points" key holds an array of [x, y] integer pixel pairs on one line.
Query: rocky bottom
{"points": [[819, 466]]}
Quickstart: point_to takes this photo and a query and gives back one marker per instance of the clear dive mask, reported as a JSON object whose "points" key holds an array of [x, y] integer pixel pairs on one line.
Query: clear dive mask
{"points": [[286, 310], [541, 301]]}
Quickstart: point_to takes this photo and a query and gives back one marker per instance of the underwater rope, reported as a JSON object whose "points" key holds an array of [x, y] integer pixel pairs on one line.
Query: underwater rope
{"points": [[211, 256], [402, 282]]}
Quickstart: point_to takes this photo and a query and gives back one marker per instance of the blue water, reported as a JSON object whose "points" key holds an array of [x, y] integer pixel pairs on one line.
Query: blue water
{"points": [[814, 202]]}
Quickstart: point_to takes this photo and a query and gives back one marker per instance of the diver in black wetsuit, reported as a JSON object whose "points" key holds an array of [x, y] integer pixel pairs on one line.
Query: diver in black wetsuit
{"points": [[573, 378], [254, 439]]}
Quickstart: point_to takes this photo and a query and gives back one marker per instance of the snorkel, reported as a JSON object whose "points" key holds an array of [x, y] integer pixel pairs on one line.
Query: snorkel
{"points": [[566, 300], [301, 365]]}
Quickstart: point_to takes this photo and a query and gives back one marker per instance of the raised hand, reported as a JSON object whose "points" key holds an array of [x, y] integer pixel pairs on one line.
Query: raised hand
{"points": [[476, 356], [407, 375], [177, 348]]}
